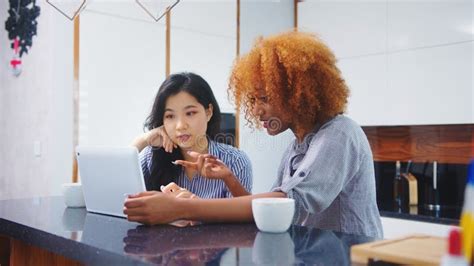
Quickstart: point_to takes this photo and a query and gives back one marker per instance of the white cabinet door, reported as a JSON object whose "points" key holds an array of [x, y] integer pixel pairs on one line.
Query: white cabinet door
{"points": [[430, 86], [405, 62], [416, 24]]}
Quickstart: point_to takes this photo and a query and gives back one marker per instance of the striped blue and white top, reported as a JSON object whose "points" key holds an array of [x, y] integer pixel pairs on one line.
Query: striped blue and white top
{"points": [[235, 159]]}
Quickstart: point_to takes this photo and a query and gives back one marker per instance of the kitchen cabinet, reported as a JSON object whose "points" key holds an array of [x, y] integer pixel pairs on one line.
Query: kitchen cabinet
{"points": [[405, 62]]}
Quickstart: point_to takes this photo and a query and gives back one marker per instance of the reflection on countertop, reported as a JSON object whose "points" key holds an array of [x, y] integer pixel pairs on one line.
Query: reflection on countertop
{"points": [[444, 215]]}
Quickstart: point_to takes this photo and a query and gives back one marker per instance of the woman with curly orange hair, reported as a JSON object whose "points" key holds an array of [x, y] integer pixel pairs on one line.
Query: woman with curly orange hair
{"points": [[290, 81]]}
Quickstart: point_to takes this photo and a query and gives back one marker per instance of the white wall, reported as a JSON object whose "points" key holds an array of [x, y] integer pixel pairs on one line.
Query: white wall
{"points": [[262, 19], [203, 40], [406, 62], [123, 61], [121, 67], [37, 107]]}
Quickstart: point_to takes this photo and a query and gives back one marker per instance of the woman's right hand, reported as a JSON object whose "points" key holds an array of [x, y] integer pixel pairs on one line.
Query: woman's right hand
{"points": [[158, 137], [207, 165]]}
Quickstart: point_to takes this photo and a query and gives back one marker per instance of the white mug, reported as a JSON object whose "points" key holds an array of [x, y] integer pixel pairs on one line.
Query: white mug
{"points": [[72, 194], [273, 215]]}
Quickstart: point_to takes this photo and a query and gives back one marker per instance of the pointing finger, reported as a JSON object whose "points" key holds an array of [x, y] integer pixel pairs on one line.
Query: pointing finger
{"points": [[186, 164]]}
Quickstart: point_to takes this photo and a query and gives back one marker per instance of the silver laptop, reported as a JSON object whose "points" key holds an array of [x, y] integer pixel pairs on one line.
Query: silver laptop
{"points": [[107, 175]]}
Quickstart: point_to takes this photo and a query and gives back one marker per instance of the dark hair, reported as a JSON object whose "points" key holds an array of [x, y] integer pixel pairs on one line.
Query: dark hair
{"points": [[162, 171]]}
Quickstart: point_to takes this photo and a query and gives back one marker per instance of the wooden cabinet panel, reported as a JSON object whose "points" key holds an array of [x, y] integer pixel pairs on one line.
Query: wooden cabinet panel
{"points": [[442, 143], [4, 250], [24, 254]]}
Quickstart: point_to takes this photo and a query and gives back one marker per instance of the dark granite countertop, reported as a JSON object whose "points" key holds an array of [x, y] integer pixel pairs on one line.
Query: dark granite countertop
{"points": [[105, 240], [445, 215]]}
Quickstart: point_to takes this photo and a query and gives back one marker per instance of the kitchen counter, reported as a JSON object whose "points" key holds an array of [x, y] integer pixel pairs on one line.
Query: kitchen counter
{"points": [[88, 238], [446, 215]]}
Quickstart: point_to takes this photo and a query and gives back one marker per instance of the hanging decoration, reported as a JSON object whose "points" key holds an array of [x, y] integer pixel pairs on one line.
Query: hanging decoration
{"points": [[21, 26], [15, 63], [160, 12], [78, 7]]}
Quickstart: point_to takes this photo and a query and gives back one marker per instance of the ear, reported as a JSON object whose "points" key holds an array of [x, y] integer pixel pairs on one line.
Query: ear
{"points": [[209, 111]]}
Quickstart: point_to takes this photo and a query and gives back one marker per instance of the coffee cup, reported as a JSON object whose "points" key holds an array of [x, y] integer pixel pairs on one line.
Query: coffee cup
{"points": [[273, 215], [72, 194]]}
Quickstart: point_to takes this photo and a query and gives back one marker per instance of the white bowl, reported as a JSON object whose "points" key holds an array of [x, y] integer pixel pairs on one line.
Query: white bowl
{"points": [[273, 215]]}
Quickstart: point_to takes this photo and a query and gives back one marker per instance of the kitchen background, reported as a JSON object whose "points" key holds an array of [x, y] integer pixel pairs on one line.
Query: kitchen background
{"points": [[409, 64]]}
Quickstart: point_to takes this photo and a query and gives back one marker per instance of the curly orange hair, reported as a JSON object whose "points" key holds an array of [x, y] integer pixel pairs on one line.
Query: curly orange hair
{"points": [[298, 74]]}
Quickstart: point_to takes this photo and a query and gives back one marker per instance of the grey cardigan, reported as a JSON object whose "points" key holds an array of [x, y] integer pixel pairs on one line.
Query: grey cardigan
{"points": [[331, 177]]}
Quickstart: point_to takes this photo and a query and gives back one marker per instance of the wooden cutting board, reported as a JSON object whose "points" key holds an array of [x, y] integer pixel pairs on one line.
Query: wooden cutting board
{"points": [[412, 249]]}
